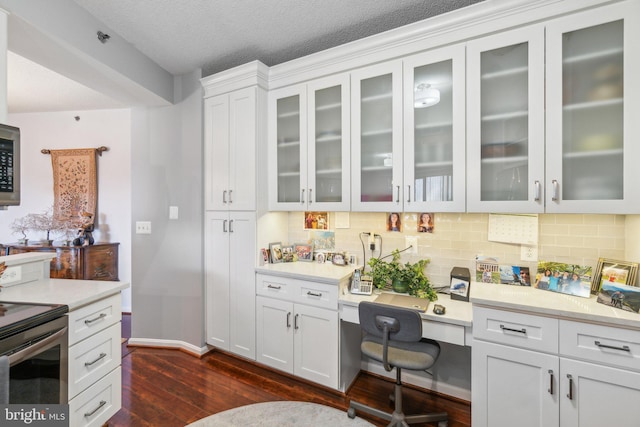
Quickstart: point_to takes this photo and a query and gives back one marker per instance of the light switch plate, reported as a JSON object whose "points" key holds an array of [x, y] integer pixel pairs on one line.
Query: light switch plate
{"points": [[143, 227]]}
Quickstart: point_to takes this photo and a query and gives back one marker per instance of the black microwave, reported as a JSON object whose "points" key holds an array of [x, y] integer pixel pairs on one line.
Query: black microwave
{"points": [[9, 166]]}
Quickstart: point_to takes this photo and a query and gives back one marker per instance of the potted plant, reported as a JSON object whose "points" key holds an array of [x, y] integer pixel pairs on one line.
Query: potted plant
{"points": [[403, 278], [45, 222], [20, 226]]}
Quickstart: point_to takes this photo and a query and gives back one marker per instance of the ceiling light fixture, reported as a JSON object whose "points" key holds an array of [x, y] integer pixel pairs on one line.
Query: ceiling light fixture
{"points": [[425, 96], [103, 37]]}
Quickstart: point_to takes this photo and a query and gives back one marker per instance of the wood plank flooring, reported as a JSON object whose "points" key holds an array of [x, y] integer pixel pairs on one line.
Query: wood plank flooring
{"points": [[166, 388]]}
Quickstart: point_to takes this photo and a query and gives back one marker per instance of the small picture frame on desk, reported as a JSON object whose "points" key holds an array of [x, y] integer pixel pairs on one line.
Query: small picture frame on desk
{"points": [[275, 249], [460, 283], [613, 271], [304, 252]]}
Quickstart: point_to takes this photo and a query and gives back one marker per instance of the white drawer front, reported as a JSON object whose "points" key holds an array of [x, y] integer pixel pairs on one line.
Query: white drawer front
{"points": [[318, 295], [520, 330], [98, 403], [93, 358], [603, 344], [275, 287], [93, 318]]}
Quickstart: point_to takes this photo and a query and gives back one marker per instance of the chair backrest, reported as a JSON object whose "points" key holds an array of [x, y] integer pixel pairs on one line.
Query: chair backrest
{"points": [[403, 324]]}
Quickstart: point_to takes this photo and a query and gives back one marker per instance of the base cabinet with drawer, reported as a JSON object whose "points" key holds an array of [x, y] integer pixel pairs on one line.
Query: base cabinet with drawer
{"points": [[297, 328], [95, 359], [530, 370]]}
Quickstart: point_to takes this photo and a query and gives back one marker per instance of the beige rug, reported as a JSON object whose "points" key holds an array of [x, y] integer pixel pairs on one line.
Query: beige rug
{"points": [[282, 414]]}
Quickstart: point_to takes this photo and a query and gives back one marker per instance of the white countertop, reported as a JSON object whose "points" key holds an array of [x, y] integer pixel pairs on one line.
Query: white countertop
{"points": [[537, 301], [322, 273], [73, 293]]}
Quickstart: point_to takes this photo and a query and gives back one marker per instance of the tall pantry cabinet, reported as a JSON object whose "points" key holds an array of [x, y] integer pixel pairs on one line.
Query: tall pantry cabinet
{"points": [[234, 107]]}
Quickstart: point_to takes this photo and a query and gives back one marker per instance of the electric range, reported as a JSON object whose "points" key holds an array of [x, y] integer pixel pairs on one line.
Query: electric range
{"points": [[18, 317]]}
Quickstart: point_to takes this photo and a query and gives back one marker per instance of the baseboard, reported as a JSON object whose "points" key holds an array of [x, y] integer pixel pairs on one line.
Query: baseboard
{"points": [[172, 344]]}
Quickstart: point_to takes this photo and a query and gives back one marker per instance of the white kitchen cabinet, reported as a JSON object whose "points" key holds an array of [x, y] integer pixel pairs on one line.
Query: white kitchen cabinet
{"points": [[434, 135], [230, 252], [309, 134], [505, 122], [530, 370], [376, 142], [297, 328], [230, 135], [592, 104]]}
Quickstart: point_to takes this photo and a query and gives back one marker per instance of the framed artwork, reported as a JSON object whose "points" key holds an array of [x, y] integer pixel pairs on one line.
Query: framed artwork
{"points": [[613, 271], [304, 251], [620, 296], [275, 249], [316, 221], [569, 279]]}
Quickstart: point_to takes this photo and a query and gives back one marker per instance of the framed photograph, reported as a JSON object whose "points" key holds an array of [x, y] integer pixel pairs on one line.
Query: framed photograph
{"points": [[426, 222], [316, 221], [569, 279], [460, 288], [515, 275], [304, 251], [620, 296], [613, 271], [394, 223], [288, 254], [275, 249]]}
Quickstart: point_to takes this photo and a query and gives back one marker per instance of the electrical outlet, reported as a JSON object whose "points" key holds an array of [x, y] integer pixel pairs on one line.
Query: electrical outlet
{"points": [[412, 243], [143, 227], [528, 253]]}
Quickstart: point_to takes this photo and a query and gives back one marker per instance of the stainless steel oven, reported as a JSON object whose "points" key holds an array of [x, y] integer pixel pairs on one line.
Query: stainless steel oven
{"points": [[34, 340]]}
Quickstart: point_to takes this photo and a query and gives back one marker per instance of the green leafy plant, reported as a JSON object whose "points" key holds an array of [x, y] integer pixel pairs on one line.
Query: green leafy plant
{"points": [[384, 273]]}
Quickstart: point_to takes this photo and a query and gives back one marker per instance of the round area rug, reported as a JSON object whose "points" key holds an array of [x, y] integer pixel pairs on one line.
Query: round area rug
{"points": [[282, 414]]}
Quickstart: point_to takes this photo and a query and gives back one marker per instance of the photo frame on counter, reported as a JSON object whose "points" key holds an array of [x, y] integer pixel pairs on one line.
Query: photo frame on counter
{"points": [[304, 251], [620, 296], [275, 249], [571, 279], [613, 271], [288, 254]]}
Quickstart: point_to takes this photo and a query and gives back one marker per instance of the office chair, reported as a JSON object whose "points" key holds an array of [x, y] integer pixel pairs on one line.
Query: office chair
{"points": [[393, 336]]}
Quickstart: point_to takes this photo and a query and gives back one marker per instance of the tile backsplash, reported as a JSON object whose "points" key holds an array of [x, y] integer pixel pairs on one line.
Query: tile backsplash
{"points": [[458, 238]]}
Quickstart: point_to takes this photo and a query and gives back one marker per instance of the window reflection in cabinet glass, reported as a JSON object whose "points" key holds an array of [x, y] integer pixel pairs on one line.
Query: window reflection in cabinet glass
{"points": [[593, 113], [433, 136], [376, 139], [288, 117], [328, 145], [504, 123]]}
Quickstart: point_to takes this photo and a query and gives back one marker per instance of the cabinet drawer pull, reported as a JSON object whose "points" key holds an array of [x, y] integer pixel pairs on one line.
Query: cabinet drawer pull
{"points": [[408, 193], [536, 192], [224, 197], [310, 195], [556, 190], [613, 347], [550, 390], [288, 319], [230, 199], [302, 196], [570, 394], [90, 321], [398, 198], [270, 286], [102, 356], [314, 294], [102, 403], [519, 331], [224, 226], [230, 225], [295, 322]]}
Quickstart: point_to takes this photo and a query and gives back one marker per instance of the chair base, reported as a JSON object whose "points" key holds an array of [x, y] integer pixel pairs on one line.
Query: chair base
{"points": [[398, 418]]}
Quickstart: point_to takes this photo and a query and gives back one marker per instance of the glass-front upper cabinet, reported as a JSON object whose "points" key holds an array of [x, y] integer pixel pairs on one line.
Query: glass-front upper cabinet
{"points": [[434, 135], [593, 105], [505, 122], [376, 142]]}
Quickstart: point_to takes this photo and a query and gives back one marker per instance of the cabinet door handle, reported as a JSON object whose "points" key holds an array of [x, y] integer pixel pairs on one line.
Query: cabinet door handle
{"points": [[224, 197], [314, 294], [536, 191], [556, 190], [224, 226], [230, 199], [310, 196], [570, 394], [95, 319], [302, 196], [623, 348], [409, 193], [398, 190], [231, 226], [519, 331], [102, 403], [295, 322], [550, 390], [270, 286], [288, 319], [102, 356]]}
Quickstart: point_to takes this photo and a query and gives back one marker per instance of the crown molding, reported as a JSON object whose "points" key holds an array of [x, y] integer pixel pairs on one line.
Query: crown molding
{"points": [[251, 74]]}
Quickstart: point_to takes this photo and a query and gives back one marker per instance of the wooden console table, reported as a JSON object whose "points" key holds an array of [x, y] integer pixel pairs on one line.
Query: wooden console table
{"points": [[94, 262]]}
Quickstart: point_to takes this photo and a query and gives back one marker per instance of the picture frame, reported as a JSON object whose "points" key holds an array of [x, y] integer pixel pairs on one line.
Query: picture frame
{"points": [[619, 295], [615, 271], [570, 279], [288, 254], [304, 251], [275, 249], [459, 288], [316, 220]]}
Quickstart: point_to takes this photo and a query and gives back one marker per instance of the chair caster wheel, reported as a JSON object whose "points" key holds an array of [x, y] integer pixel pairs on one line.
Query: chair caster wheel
{"points": [[351, 413]]}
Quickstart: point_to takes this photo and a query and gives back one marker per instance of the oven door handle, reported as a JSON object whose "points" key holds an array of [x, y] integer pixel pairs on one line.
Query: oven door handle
{"points": [[27, 352]]}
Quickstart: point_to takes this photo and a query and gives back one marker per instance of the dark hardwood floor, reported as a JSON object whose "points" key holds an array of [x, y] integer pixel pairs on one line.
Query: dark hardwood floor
{"points": [[171, 388]]}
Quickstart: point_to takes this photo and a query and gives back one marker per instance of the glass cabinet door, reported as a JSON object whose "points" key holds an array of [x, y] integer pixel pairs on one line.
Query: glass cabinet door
{"points": [[329, 136], [287, 149], [506, 122], [592, 145], [434, 137], [377, 138]]}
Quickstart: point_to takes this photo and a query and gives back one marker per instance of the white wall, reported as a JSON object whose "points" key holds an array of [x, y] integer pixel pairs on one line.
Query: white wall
{"points": [[60, 130]]}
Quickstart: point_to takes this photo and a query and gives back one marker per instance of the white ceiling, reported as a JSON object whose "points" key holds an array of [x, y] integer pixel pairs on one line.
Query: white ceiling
{"points": [[214, 35]]}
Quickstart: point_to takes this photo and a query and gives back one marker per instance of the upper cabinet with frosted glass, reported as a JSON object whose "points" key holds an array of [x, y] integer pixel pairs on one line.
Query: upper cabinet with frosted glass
{"points": [[434, 135], [593, 111], [505, 122], [309, 146], [376, 143]]}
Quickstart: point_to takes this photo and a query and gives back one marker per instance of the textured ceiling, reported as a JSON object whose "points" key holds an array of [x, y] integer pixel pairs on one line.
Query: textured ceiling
{"points": [[214, 35]]}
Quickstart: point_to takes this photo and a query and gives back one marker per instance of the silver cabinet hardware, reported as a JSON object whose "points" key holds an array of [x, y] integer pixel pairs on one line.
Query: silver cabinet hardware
{"points": [[102, 403], [519, 331], [612, 347], [90, 321], [102, 356]]}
